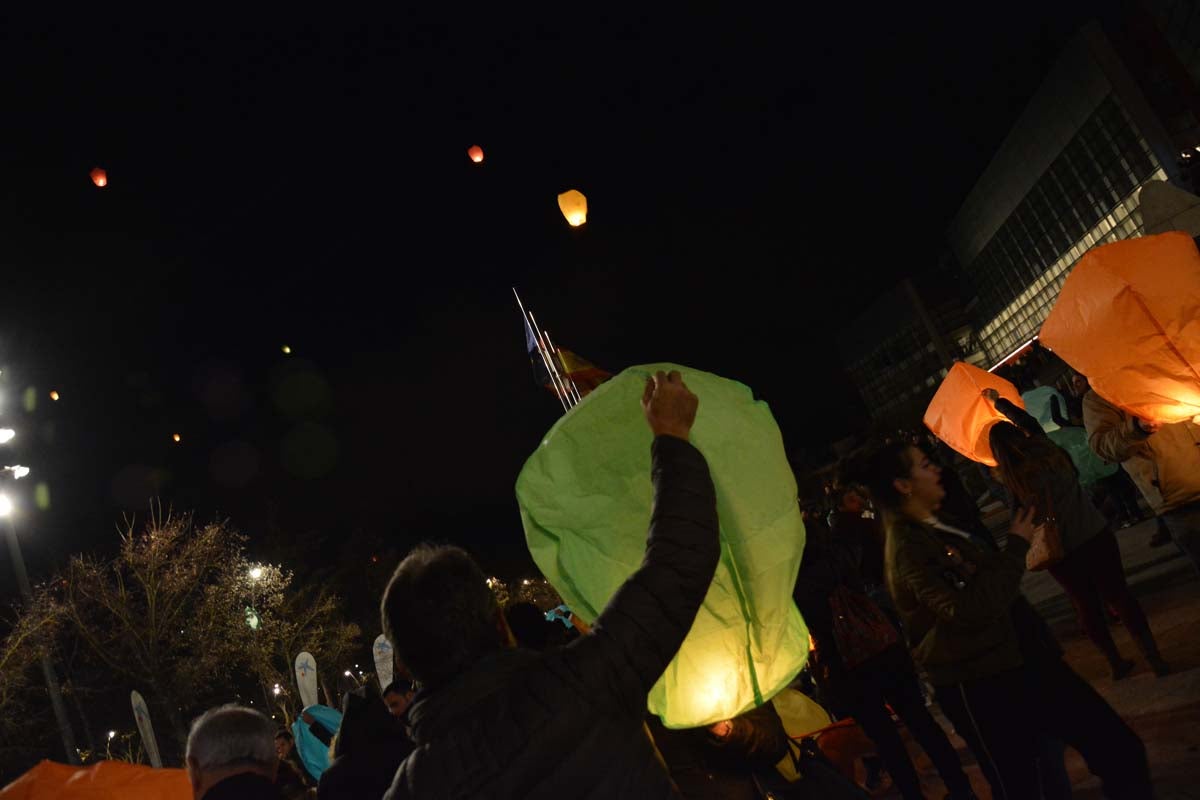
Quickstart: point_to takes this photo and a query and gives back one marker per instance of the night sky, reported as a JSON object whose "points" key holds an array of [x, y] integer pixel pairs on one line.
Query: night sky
{"points": [[751, 183]]}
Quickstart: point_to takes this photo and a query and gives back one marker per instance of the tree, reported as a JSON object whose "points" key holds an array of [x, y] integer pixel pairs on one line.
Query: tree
{"points": [[171, 615]]}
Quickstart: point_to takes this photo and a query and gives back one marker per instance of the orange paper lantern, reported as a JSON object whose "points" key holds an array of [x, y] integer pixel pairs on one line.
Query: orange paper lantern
{"points": [[107, 780], [959, 415], [1128, 318], [99, 177], [476, 153], [573, 205]]}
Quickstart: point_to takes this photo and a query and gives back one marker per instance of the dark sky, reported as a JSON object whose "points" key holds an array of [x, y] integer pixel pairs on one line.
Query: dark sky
{"points": [[751, 182]]}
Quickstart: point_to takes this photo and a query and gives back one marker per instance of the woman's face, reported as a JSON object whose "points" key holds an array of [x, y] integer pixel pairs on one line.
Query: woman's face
{"points": [[924, 484]]}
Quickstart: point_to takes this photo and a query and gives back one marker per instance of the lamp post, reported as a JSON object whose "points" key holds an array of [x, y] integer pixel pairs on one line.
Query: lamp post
{"points": [[14, 549]]}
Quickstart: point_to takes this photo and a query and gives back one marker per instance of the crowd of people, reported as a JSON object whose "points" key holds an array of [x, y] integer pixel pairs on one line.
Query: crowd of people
{"points": [[908, 598]]}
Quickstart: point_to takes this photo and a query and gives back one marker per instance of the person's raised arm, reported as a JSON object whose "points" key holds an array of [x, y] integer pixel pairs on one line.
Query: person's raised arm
{"points": [[1017, 415], [642, 627]]}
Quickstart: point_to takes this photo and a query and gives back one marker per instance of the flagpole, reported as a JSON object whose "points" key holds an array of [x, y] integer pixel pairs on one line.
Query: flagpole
{"points": [[563, 362], [559, 393], [538, 332]]}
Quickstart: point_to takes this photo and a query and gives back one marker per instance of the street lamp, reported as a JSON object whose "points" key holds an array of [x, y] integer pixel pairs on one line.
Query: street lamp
{"points": [[17, 471], [256, 573], [14, 550], [6, 435]]}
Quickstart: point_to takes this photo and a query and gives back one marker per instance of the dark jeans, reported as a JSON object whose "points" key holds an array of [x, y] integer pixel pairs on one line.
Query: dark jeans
{"points": [[1093, 575], [889, 679], [1004, 716], [1184, 525]]}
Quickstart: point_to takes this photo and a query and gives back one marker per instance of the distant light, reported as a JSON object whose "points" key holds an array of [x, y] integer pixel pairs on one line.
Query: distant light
{"points": [[6, 435], [1198, 148], [54, 395], [476, 153], [256, 573], [18, 471], [525, 582], [99, 177], [177, 437], [112, 735], [276, 690], [287, 351], [6, 505], [347, 673]]}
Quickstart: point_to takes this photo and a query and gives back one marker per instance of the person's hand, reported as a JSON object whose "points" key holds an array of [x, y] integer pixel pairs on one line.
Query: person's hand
{"points": [[307, 717], [721, 729], [1022, 524], [669, 406], [990, 394], [1146, 426]]}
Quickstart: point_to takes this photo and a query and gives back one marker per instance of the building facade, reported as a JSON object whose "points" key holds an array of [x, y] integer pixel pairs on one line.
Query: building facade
{"points": [[1067, 178]]}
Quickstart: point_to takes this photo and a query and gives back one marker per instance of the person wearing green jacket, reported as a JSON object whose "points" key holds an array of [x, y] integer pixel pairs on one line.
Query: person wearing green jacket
{"points": [[997, 672]]}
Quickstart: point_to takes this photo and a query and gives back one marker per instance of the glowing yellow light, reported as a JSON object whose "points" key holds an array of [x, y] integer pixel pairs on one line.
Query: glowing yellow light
{"points": [[177, 437], [287, 351], [53, 395], [573, 205], [99, 177], [6, 505], [256, 573], [112, 735], [476, 153]]}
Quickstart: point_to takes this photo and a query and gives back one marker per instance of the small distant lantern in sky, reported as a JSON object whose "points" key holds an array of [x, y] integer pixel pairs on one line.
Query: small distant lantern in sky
{"points": [[176, 437], [287, 351], [54, 394], [99, 177], [476, 153], [573, 205]]}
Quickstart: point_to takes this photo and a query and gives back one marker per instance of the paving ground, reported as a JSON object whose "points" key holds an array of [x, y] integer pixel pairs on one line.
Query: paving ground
{"points": [[1165, 712]]}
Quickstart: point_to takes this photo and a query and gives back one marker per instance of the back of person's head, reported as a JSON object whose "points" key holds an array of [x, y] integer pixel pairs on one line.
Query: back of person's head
{"points": [[879, 469], [226, 741], [528, 625], [1024, 462], [367, 724], [439, 613]]}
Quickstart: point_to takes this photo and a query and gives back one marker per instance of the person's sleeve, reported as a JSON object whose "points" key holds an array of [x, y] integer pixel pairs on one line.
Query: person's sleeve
{"points": [[1056, 414], [1020, 417], [640, 630], [1113, 436], [988, 594], [321, 732]]}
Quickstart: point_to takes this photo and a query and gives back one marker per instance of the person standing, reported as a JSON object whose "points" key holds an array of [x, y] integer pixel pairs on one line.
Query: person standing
{"points": [[1041, 476], [1163, 460], [997, 671]]}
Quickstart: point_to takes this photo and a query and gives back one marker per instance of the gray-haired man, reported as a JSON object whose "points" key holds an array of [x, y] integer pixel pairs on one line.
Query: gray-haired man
{"points": [[231, 755]]}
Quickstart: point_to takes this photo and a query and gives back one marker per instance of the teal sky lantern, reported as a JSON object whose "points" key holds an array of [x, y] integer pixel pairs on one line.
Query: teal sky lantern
{"points": [[585, 498]]}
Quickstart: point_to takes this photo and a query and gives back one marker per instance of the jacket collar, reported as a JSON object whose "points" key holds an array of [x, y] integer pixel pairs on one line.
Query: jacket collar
{"points": [[435, 710]]}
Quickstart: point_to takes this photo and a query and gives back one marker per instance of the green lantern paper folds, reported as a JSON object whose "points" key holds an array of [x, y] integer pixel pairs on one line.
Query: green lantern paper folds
{"points": [[586, 498]]}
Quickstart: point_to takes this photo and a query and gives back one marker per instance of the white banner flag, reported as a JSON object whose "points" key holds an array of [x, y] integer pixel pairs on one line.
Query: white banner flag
{"points": [[142, 714], [306, 678], [382, 650]]}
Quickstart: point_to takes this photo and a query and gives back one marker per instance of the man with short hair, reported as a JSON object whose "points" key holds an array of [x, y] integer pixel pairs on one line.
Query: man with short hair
{"points": [[231, 755], [397, 696], [494, 721]]}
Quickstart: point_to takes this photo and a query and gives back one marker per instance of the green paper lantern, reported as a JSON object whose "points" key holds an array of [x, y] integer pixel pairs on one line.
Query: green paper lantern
{"points": [[586, 499]]}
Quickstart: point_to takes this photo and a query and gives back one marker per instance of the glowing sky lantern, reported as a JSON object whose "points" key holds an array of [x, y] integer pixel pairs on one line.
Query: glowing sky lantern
{"points": [[176, 437], [959, 415], [1128, 318], [586, 497], [476, 153], [99, 177], [53, 394], [573, 205]]}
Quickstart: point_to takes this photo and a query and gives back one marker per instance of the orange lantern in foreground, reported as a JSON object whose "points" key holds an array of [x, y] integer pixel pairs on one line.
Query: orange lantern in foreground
{"points": [[103, 780], [476, 153], [99, 177], [960, 416], [573, 205], [1128, 318]]}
